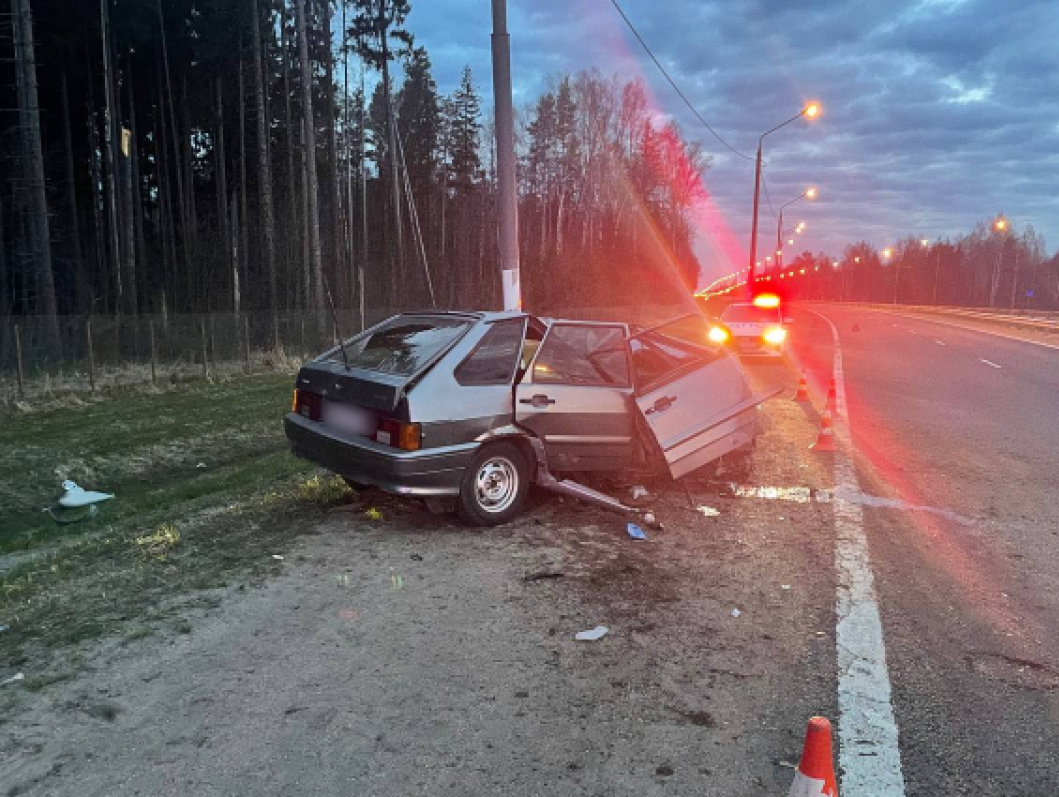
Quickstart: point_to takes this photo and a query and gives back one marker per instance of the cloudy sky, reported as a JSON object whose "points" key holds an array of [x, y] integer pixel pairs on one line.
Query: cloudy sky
{"points": [[937, 113]]}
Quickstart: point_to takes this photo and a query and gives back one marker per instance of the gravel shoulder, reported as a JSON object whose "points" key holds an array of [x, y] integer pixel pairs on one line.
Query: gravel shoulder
{"points": [[411, 654]]}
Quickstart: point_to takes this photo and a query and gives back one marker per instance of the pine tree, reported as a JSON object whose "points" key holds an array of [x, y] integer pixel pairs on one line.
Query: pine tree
{"points": [[419, 119], [465, 164]]}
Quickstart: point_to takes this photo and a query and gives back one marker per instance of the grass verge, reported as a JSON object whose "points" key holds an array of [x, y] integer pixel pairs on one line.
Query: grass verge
{"points": [[176, 531]]}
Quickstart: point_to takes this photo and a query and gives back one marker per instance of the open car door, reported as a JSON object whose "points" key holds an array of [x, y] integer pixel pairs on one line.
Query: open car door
{"points": [[693, 397]]}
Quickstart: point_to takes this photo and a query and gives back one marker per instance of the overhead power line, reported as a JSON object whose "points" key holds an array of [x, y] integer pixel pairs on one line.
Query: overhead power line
{"points": [[676, 88]]}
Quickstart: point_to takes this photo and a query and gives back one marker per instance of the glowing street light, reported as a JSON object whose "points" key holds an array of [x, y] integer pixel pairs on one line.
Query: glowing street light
{"points": [[887, 253], [811, 111], [924, 243], [1001, 224], [809, 193]]}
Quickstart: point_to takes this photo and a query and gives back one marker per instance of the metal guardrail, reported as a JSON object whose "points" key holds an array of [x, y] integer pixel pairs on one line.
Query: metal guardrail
{"points": [[1046, 320]]}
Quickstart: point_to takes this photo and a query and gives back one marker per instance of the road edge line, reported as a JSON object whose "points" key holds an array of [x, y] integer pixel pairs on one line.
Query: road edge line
{"points": [[869, 750]]}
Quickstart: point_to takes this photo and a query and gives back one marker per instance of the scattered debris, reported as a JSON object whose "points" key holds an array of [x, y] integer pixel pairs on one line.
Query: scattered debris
{"points": [[14, 678], [4, 628], [76, 496], [649, 519], [592, 635], [664, 771], [639, 491], [707, 511], [396, 582], [277, 557], [343, 579], [785, 586], [201, 466], [635, 531], [736, 613], [543, 575], [373, 514]]}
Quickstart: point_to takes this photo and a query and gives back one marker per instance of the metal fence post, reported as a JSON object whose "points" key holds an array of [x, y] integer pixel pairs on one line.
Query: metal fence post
{"points": [[153, 355], [91, 356], [246, 341], [205, 364], [18, 361]]}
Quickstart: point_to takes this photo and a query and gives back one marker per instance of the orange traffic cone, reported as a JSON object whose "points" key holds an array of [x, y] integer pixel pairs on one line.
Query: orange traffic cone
{"points": [[815, 775], [832, 397], [825, 441], [803, 389]]}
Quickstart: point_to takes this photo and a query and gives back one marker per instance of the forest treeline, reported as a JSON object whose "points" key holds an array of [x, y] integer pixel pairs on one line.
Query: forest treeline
{"points": [[998, 265], [263, 155]]}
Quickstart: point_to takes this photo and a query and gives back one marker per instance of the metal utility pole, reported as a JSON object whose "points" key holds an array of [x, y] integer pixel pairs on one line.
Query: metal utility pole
{"points": [[779, 240], [507, 197], [757, 199], [1015, 278], [937, 273]]}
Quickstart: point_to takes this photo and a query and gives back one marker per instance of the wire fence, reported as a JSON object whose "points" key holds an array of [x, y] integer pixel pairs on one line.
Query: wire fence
{"points": [[96, 352]]}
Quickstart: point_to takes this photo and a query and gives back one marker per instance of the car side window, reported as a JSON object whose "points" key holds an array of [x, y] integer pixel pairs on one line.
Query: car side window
{"points": [[575, 354], [494, 359], [670, 349]]}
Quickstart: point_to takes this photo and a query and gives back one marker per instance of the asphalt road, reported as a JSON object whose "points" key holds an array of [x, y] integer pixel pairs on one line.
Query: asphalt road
{"points": [[965, 426]]}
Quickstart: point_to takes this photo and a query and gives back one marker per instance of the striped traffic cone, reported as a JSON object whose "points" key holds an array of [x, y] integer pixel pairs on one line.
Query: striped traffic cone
{"points": [[803, 390], [825, 441], [832, 397], [815, 775]]}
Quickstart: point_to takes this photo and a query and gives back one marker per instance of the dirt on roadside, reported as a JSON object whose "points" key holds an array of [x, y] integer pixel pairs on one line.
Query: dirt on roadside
{"points": [[411, 654]]}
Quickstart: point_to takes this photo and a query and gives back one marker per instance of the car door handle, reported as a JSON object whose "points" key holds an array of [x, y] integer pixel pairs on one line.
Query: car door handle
{"points": [[539, 401], [661, 405]]}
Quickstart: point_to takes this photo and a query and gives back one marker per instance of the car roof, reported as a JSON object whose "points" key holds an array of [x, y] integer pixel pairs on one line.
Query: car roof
{"points": [[475, 315]]}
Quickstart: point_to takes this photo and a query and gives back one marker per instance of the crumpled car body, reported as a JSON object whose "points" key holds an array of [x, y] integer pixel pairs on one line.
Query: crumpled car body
{"points": [[479, 405]]}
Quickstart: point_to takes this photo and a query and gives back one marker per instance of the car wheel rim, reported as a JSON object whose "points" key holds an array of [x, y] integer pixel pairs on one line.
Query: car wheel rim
{"points": [[496, 485]]}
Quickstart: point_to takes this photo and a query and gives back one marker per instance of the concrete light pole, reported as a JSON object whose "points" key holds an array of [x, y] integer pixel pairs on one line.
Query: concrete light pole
{"points": [[507, 197], [810, 111]]}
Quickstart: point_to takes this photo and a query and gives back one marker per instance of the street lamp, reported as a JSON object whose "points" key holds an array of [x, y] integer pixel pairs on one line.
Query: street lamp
{"points": [[808, 193], [810, 111], [1000, 225]]}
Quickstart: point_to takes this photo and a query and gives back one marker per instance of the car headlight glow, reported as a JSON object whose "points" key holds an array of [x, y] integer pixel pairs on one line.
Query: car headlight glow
{"points": [[718, 334], [775, 335]]}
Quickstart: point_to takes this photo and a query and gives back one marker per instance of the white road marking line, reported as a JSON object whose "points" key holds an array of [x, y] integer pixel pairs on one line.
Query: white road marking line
{"points": [[964, 328], [939, 342], [988, 362], [869, 752]]}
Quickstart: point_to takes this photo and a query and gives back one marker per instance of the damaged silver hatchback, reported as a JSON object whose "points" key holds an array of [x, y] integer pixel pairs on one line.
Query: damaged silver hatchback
{"points": [[477, 406]]}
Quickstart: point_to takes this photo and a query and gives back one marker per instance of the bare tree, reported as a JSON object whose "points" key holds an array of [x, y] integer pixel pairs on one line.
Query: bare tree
{"points": [[309, 159], [29, 116], [264, 174]]}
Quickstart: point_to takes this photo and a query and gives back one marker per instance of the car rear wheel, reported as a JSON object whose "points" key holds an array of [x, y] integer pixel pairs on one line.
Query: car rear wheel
{"points": [[495, 485]]}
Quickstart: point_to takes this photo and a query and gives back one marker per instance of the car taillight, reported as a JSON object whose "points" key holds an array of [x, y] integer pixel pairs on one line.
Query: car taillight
{"points": [[405, 436], [307, 405]]}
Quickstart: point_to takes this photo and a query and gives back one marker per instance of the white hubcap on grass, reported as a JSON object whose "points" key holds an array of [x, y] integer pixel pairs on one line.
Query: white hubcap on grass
{"points": [[496, 484]]}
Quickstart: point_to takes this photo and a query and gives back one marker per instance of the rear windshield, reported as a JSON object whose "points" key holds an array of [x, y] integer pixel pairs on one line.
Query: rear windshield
{"points": [[403, 345], [749, 314]]}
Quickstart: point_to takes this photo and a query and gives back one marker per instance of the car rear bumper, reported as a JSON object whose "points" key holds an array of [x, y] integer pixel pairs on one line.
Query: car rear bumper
{"points": [[431, 472], [756, 347]]}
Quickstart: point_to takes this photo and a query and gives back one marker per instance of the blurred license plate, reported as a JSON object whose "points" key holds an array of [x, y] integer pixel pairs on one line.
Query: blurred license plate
{"points": [[349, 418]]}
